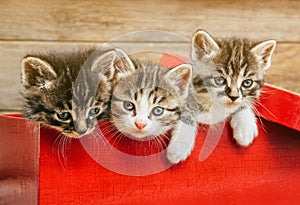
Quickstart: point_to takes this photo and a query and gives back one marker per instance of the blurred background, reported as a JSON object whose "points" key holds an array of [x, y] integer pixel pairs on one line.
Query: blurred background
{"points": [[29, 25]]}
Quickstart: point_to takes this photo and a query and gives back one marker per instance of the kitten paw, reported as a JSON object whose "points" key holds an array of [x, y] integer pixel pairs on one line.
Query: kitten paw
{"points": [[244, 133], [244, 126], [178, 152]]}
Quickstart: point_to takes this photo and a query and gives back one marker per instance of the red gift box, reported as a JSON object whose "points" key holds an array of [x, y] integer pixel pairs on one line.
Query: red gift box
{"points": [[267, 172]]}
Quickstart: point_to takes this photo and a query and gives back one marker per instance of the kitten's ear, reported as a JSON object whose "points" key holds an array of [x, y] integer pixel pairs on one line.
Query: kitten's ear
{"points": [[203, 45], [116, 63], [104, 64], [37, 72], [181, 76], [123, 64], [263, 53]]}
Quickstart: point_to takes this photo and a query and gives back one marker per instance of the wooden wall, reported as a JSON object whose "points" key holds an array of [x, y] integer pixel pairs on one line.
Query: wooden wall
{"points": [[29, 25]]}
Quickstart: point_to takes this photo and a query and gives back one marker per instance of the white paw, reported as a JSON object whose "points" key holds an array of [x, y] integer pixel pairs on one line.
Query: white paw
{"points": [[244, 134], [178, 152], [181, 143], [244, 127]]}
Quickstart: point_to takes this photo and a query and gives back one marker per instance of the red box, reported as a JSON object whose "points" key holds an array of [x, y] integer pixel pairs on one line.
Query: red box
{"points": [[267, 172]]}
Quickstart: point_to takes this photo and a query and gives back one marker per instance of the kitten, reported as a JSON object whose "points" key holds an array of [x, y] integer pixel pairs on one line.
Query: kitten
{"points": [[148, 101], [68, 90], [228, 77]]}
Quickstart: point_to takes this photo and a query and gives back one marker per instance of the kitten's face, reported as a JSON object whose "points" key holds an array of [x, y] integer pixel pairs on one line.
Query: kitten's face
{"points": [[145, 103], [232, 71], [68, 96]]}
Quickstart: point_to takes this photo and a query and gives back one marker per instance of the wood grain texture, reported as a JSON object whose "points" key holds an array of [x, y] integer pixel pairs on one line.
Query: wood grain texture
{"points": [[284, 71], [99, 20], [28, 26]]}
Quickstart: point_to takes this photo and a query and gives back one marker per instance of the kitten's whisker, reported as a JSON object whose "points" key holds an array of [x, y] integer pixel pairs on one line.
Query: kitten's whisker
{"points": [[270, 92], [161, 140], [264, 107], [259, 118], [65, 147], [116, 136], [95, 140], [108, 128], [157, 143], [59, 144]]}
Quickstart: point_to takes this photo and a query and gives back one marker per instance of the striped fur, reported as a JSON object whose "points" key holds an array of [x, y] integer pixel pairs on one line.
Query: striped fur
{"points": [[232, 60], [73, 84], [147, 81], [228, 75], [143, 89]]}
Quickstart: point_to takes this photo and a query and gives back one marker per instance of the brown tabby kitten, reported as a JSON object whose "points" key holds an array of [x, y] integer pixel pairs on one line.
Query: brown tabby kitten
{"points": [[68, 90], [228, 75], [148, 101]]}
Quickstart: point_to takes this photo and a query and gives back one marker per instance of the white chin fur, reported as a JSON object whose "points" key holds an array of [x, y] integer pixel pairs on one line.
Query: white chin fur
{"points": [[140, 137]]}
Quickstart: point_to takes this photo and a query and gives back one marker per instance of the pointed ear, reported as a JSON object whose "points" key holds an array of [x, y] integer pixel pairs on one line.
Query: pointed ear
{"points": [[181, 76], [203, 45], [263, 53], [123, 64], [37, 72], [103, 64]]}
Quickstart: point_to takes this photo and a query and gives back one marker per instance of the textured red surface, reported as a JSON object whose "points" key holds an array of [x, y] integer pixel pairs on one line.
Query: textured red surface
{"points": [[283, 106], [267, 172]]}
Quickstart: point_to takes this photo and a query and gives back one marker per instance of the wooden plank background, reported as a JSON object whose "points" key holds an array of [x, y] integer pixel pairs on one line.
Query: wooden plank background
{"points": [[29, 25]]}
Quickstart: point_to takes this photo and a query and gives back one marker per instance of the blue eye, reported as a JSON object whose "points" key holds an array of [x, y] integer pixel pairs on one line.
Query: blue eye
{"points": [[64, 116], [157, 111], [220, 80], [128, 105], [94, 112], [247, 83]]}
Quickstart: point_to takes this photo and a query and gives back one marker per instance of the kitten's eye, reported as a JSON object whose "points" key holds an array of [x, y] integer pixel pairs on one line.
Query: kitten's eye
{"points": [[220, 80], [247, 83], [157, 111], [94, 112], [64, 116], [128, 105]]}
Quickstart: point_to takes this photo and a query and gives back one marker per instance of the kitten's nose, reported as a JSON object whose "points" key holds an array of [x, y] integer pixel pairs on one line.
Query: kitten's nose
{"points": [[140, 125], [233, 98]]}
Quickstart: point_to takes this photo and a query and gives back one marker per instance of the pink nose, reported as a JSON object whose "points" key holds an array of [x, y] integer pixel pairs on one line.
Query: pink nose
{"points": [[140, 125]]}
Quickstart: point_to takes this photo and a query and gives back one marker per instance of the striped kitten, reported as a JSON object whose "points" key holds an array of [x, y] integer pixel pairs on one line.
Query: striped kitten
{"points": [[228, 77], [148, 101], [67, 90]]}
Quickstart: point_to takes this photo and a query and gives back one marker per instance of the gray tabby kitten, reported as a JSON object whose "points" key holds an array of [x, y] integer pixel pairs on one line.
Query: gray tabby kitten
{"points": [[228, 77], [148, 100], [67, 90]]}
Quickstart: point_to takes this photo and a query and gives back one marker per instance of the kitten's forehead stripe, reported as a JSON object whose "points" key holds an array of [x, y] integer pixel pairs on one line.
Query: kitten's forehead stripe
{"points": [[154, 99], [140, 81], [162, 99], [69, 104], [135, 96], [221, 71], [236, 52], [141, 91]]}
